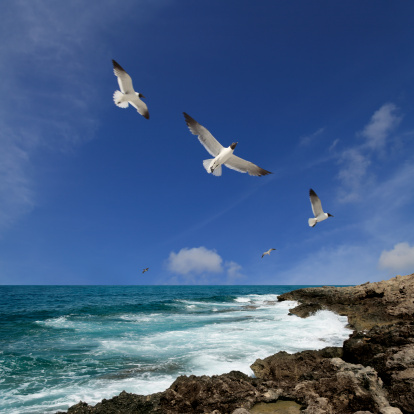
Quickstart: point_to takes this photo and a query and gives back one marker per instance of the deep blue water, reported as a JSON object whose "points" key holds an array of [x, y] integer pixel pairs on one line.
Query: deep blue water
{"points": [[62, 344]]}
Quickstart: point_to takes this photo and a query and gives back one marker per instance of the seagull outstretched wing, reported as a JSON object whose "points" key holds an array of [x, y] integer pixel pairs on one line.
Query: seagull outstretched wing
{"points": [[209, 142], [124, 80], [140, 106], [243, 166], [316, 203]]}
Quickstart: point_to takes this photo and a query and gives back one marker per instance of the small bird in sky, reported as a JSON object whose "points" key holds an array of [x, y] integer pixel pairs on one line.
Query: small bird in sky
{"points": [[317, 209], [145, 270], [127, 93], [268, 252], [221, 155]]}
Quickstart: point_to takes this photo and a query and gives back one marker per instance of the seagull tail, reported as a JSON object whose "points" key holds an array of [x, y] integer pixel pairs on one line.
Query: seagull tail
{"points": [[206, 165], [217, 171], [312, 222], [119, 100]]}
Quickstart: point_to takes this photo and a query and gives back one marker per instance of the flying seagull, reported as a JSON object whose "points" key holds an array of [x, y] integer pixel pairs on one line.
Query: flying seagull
{"points": [[127, 94], [268, 252], [145, 270], [317, 209], [221, 155]]}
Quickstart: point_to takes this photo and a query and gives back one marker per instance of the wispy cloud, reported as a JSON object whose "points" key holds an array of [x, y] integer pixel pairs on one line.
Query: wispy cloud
{"points": [[353, 173], [399, 259], [38, 62], [199, 264], [382, 123], [49, 107], [16, 190], [346, 264], [234, 271], [309, 139], [355, 162]]}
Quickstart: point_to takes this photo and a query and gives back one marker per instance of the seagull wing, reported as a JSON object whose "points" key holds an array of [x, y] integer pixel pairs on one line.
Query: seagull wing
{"points": [[140, 106], [210, 143], [243, 166], [316, 203], [124, 80]]}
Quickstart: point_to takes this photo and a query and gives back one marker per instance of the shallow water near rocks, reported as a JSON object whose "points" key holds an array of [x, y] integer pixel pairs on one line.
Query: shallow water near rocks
{"points": [[279, 407]]}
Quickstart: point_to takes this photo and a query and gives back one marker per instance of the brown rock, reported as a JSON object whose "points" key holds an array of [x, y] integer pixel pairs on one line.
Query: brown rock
{"points": [[366, 305]]}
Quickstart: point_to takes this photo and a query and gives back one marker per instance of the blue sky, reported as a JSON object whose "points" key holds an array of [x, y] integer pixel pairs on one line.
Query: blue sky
{"points": [[320, 93]]}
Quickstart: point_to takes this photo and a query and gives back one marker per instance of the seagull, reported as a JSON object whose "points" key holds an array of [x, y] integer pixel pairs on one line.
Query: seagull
{"points": [[145, 270], [221, 155], [317, 209], [127, 94], [268, 252]]}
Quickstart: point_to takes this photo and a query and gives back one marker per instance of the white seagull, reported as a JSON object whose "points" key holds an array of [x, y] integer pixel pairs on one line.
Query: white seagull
{"points": [[268, 252], [221, 155], [317, 209], [127, 94]]}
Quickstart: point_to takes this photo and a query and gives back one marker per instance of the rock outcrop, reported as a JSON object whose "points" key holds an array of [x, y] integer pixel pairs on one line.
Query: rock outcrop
{"points": [[372, 373], [366, 305]]}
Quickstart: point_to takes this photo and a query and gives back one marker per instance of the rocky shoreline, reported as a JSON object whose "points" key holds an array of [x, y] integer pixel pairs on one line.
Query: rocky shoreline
{"points": [[372, 373]]}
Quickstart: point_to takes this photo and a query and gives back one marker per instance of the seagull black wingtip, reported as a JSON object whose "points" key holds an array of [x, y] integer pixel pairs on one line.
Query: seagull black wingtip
{"points": [[264, 172], [117, 65]]}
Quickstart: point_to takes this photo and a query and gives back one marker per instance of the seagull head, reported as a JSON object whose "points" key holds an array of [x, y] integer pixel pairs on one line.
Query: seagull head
{"points": [[330, 215], [232, 146], [140, 95]]}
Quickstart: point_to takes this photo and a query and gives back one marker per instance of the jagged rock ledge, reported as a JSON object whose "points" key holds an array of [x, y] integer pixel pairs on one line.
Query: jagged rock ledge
{"points": [[366, 305], [372, 373]]}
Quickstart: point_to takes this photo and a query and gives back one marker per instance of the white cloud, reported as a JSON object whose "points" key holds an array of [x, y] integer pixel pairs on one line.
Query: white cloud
{"points": [[382, 123], [233, 271], [355, 174], [399, 259], [200, 265], [195, 261]]}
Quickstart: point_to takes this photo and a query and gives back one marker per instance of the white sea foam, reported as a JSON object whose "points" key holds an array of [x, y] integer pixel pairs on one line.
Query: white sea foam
{"points": [[140, 318]]}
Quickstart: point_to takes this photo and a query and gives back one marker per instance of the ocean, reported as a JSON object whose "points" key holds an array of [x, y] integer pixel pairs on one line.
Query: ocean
{"points": [[63, 344]]}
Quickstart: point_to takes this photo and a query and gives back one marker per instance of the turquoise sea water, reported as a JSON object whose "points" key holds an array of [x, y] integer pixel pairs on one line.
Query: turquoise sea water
{"points": [[62, 344]]}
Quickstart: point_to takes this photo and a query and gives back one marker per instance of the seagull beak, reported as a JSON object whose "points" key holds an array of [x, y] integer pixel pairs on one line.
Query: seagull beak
{"points": [[141, 95], [330, 215]]}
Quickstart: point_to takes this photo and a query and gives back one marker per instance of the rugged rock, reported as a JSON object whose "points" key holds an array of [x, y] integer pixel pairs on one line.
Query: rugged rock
{"points": [[188, 395], [367, 305], [390, 351], [224, 393], [324, 383], [287, 369], [123, 403]]}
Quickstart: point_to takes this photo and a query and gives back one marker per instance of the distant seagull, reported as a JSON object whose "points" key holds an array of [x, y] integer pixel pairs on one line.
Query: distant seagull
{"points": [[317, 209], [268, 252], [221, 155], [145, 270], [127, 94]]}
